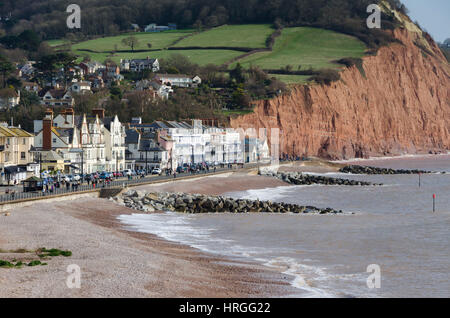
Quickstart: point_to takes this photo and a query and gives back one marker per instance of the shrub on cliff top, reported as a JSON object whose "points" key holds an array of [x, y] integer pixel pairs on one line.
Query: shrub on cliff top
{"points": [[326, 76], [353, 61]]}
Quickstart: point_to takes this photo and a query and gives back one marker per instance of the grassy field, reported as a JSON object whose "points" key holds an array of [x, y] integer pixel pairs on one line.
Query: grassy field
{"points": [[158, 40], [300, 46], [245, 35], [308, 47]]}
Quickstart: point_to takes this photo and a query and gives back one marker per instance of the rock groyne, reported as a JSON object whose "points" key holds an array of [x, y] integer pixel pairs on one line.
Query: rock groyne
{"points": [[200, 203], [298, 178], [374, 170]]}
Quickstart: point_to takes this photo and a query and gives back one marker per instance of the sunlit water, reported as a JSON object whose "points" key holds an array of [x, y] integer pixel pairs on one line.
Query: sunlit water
{"points": [[327, 256]]}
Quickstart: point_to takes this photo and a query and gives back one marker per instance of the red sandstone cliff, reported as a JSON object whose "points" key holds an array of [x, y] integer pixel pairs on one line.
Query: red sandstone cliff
{"points": [[401, 105]]}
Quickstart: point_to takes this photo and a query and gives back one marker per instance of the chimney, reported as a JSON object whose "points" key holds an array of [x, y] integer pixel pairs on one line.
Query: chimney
{"points": [[100, 112], [47, 125]]}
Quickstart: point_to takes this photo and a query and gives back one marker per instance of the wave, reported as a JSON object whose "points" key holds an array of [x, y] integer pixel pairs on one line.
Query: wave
{"points": [[178, 228]]}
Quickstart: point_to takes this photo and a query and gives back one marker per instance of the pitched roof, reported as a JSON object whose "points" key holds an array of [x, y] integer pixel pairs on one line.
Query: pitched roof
{"points": [[14, 132], [144, 61], [132, 136], [20, 132], [51, 156], [65, 132], [57, 93]]}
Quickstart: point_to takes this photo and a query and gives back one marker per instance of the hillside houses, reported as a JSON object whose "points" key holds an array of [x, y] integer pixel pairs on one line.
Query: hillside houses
{"points": [[80, 87], [9, 98], [57, 98], [152, 27], [179, 80], [90, 67], [139, 65], [27, 70], [31, 87], [155, 88]]}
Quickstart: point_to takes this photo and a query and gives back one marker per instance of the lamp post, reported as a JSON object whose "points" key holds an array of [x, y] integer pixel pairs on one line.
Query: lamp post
{"points": [[146, 161], [82, 164]]}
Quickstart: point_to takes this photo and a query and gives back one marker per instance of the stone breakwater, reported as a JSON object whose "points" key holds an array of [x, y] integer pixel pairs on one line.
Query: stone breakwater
{"points": [[298, 178], [374, 170], [199, 203]]}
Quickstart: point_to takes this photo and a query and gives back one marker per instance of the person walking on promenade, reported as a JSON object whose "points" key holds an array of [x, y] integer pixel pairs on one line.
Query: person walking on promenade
{"points": [[43, 191], [174, 174]]}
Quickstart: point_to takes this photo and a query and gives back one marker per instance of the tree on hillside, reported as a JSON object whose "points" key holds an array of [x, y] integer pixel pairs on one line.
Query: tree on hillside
{"points": [[237, 74], [178, 62], [6, 68], [131, 41], [49, 65]]}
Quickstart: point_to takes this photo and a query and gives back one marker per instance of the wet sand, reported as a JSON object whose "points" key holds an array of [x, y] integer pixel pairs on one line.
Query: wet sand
{"points": [[216, 185], [115, 262]]}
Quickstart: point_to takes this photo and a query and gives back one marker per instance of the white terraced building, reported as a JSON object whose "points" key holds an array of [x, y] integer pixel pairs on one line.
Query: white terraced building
{"points": [[196, 143]]}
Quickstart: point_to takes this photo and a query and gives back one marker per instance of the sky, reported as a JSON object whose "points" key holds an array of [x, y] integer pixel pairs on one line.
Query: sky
{"points": [[432, 15]]}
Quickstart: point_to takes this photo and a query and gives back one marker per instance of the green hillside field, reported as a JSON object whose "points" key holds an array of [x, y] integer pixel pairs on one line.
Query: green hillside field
{"points": [[158, 40], [308, 47], [246, 35], [298, 46]]}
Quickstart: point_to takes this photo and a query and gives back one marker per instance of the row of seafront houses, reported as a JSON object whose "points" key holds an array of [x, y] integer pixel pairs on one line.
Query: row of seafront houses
{"points": [[74, 144], [92, 76]]}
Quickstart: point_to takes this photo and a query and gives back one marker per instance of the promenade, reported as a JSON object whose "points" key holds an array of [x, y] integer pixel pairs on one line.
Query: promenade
{"points": [[118, 183]]}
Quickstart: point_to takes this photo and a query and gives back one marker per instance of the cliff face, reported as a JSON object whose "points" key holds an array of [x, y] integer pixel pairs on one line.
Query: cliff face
{"points": [[399, 104]]}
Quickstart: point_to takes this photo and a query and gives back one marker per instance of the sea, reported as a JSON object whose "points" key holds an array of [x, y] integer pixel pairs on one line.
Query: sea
{"points": [[388, 243]]}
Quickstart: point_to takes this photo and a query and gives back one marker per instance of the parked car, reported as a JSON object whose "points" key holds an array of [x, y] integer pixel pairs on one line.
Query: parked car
{"points": [[127, 172], [104, 175], [156, 171], [181, 169], [76, 177]]}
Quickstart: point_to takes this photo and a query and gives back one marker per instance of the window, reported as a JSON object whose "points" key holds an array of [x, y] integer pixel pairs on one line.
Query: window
{"points": [[24, 141], [54, 139], [22, 155]]}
